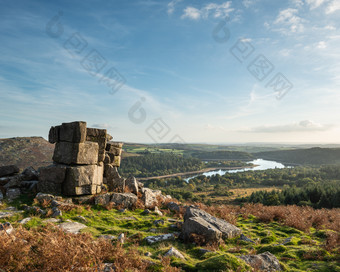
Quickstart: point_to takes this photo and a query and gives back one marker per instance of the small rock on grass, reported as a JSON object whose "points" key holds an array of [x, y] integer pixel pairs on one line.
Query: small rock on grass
{"points": [[157, 211], [173, 252], [121, 238], [159, 238], [51, 220], [56, 212], [72, 227], [145, 212], [107, 237], [25, 220]]}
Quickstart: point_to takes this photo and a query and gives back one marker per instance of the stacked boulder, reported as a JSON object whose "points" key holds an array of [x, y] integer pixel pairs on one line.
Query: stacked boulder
{"points": [[112, 160], [78, 158]]}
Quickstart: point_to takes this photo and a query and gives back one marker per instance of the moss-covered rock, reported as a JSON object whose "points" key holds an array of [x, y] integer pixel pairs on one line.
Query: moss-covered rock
{"points": [[272, 249], [223, 262]]}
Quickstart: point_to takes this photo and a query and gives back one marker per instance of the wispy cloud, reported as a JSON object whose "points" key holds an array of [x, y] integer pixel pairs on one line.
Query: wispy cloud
{"points": [[303, 126], [333, 6], [171, 6], [313, 4], [102, 126], [289, 18], [248, 3], [211, 9]]}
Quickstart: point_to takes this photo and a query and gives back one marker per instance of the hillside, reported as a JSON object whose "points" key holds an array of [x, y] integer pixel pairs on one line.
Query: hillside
{"points": [[311, 156], [26, 151]]}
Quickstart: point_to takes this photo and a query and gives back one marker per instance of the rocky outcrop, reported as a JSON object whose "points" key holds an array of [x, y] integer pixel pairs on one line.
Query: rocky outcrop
{"points": [[123, 200], [199, 222], [263, 262], [79, 157]]}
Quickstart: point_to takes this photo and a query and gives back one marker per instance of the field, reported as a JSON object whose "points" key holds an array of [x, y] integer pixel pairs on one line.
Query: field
{"points": [[311, 246], [234, 194]]}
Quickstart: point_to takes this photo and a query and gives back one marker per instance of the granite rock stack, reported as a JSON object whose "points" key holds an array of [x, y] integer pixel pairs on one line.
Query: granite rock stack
{"points": [[80, 157]]}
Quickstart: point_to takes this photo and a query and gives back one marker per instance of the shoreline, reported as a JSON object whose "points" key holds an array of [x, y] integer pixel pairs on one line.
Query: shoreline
{"points": [[196, 172]]}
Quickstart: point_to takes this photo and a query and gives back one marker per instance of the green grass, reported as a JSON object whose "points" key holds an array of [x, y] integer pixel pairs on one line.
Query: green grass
{"points": [[305, 252]]}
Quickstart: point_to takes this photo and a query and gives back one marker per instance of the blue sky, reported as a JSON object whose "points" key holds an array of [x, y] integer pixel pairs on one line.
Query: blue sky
{"points": [[167, 71]]}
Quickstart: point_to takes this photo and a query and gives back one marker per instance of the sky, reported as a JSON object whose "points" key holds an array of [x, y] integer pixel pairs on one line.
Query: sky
{"points": [[173, 71]]}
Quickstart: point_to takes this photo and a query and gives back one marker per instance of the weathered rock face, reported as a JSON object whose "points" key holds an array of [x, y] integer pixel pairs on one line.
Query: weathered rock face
{"points": [[114, 151], [113, 179], [132, 185], [76, 153], [54, 173], [199, 222], [264, 262], [150, 197], [126, 200], [197, 225], [74, 132], [98, 136], [8, 170], [87, 177]]}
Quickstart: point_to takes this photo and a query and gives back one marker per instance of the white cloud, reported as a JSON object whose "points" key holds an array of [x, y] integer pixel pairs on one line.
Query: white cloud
{"points": [[192, 13], [285, 52], [289, 18], [211, 9], [333, 6], [315, 3], [171, 6], [321, 45], [102, 126], [303, 126], [248, 3], [297, 3], [245, 40]]}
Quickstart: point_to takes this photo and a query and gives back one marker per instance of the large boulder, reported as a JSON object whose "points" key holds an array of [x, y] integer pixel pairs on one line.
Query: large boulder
{"points": [[103, 199], [199, 226], [113, 179], [8, 170], [199, 222], [53, 135], [51, 178], [76, 153], [132, 185], [74, 132], [126, 200], [98, 136], [150, 197], [83, 179], [264, 262]]}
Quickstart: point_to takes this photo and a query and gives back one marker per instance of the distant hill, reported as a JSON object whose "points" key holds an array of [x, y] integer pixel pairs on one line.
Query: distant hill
{"points": [[223, 155], [311, 156], [26, 151]]}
